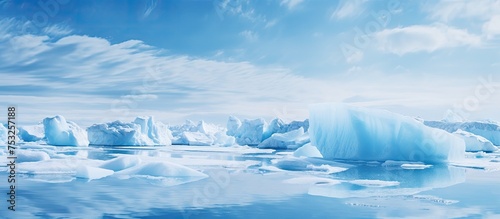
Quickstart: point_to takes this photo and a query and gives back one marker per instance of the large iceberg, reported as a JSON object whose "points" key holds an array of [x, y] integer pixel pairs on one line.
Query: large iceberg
{"points": [[60, 132], [142, 131], [474, 142], [488, 130], [201, 134], [277, 125], [344, 132]]}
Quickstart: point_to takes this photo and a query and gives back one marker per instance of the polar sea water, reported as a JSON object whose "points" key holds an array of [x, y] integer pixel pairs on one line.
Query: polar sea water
{"points": [[244, 182]]}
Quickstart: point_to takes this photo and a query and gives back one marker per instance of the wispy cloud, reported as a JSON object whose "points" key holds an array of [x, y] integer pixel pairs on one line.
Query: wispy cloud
{"points": [[426, 38], [290, 4], [57, 30], [348, 8], [249, 35]]}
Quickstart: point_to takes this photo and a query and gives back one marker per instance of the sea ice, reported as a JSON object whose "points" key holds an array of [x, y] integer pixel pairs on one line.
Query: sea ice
{"points": [[475, 142], [308, 150], [344, 132], [161, 169], [121, 163], [60, 132], [31, 133], [488, 130], [289, 140], [143, 131], [31, 156], [88, 172]]}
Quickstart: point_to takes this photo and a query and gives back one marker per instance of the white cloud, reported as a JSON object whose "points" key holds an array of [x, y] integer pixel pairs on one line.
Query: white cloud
{"points": [[427, 38], [290, 4], [270, 23], [492, 27], [57, 30], [249, 35], [447, 10], [347, 9]]}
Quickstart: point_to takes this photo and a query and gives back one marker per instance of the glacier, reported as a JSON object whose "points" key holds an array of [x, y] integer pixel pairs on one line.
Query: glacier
{"points": [[59, 132], [474, 142], [488, 130], [142, 131], [344, 132]]}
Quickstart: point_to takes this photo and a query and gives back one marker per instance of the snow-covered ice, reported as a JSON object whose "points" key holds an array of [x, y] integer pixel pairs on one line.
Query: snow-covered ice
{"points": [[31, 156], [121, 163], [60, 132], [201, 134], [475, 142], [161, 169], [308, 150], [89, 172], [250, 132], [142, 131], [344, 132]]}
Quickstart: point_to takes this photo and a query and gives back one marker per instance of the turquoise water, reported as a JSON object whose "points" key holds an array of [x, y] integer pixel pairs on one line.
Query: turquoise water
{"points": [[252, 183]]}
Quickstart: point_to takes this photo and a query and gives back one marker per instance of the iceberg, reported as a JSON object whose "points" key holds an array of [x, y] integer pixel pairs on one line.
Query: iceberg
{"points": [[31, 133], [233, 124], [289, 140], [250, 132], [60, 132], [344, 132], [277, 125], [488, 130], [201, 134], [121, 163], [474, 142], [143, 131], [307, 150]]}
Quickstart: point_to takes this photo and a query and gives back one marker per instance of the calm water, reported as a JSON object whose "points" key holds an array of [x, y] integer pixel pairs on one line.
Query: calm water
{"points": [[250, 183]]}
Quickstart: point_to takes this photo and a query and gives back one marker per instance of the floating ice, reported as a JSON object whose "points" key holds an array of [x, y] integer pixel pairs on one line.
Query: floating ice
{"points": [[196, 138], [311, 180], [121, 163], [31, 156], [88, 172], [60, 132], [475, 142], [3, 134], [31, 133], [374, 183], [143, 131], [233, 124], [343, 132], [307, 150], [161, 169], [289, 140], [488, 130]]}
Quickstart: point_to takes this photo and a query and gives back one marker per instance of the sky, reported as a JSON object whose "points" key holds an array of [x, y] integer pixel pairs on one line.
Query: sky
{"points": [[99, 61]]}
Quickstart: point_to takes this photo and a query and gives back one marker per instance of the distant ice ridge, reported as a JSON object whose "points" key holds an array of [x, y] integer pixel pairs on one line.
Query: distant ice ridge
{"points": [[474, 142], [60, 132], [488, 130], [277, 134], [344, 132], [201, 134], [142, 131]]}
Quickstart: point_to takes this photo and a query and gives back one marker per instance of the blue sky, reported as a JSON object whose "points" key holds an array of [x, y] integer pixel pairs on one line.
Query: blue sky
{"points": [[98, 61]]}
